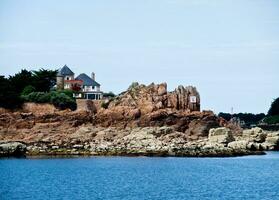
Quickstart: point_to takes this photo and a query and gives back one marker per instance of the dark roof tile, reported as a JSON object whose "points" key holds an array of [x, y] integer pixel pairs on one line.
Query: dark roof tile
{"points": [[65, 71], [87, 80]]}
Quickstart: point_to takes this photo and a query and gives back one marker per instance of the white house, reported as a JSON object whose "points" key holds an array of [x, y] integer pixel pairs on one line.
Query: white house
{"points": [[84, 86]]}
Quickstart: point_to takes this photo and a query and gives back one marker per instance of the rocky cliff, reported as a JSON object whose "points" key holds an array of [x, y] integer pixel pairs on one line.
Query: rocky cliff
{"points": [[144, 120]]}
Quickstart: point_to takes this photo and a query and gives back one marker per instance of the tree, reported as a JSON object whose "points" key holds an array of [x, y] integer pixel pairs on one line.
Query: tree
{"points": [[274, 108], [20, 80], [25, 83], [248, 118], [44, 79], [9, 98]]}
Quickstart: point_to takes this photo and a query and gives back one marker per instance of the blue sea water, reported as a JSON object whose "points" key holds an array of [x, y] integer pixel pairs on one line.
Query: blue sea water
{"points": [[139, 178]]}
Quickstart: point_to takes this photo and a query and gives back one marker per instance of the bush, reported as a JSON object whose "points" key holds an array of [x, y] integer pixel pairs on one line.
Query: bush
{"points": [[69, 93], [58, 99], [274, 108], [37, 97], [28, 89], [62, 101]]}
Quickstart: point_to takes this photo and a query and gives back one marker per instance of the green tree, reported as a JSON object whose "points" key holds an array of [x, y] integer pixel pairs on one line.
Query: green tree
{"points": [[20, 80], [44, 79], [274, 108], [248, 118], [9, 98]]}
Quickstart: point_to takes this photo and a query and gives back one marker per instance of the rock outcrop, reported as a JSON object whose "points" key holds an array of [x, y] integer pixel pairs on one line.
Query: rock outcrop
{"points": [[15, 149], [256, 139], [220, 135], [148, 141], [272, 141], [140, 100], [144, 120]]}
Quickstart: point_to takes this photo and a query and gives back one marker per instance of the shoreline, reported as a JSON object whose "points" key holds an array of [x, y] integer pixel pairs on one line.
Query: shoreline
{"points": [[193, 154], [62, 156]]}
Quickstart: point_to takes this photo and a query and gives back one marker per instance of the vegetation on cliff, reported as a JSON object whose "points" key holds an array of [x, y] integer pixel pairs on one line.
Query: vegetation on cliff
{"points": [[60, 99], [33, 86]]}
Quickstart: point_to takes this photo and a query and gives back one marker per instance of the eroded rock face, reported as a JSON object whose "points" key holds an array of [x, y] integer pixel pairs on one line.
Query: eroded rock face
{"points": [[272, 141], [154, 97], [86, 105], [256, 139], [220, 135], [152, 105], [198, 128], [144, 120], [254, 135], [184, 98]]}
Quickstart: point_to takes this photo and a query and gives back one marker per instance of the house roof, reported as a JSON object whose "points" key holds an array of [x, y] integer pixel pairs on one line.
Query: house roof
{"points": [[65, 71], [87, 80]]}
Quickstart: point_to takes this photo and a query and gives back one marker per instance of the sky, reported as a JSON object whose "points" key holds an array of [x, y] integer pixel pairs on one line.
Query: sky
{"points": [[228, 49]]}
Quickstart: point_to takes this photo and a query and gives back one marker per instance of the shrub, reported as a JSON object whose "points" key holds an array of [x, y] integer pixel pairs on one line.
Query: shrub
{"points": [[58, 99], [62, 101], [69, 93], [37, 97], [28, 89]]}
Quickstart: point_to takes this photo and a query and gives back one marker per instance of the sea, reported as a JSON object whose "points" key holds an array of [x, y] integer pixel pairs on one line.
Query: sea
{"points": [[139, 178]]}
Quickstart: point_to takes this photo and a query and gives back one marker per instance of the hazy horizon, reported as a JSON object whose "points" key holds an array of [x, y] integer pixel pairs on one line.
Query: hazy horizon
{"points": [[228, 49]]}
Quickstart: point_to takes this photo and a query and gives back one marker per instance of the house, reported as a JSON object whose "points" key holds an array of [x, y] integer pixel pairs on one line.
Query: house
{"points": [[83, 86]]}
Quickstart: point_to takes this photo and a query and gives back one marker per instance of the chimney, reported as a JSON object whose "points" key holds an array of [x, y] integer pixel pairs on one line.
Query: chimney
{"points": [[93, 76]]}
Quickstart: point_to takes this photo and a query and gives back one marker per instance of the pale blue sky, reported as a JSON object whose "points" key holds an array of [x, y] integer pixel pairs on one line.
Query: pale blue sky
{"points": [[228, 49]]}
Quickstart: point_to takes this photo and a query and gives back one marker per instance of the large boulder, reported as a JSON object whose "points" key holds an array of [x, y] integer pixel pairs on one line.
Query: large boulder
{"points": [[220, 135], [12, 149], [254, 135], [272, 141]]}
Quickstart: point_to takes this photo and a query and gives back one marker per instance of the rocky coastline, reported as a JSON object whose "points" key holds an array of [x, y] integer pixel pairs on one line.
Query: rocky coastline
{"points": [[142, 121]]}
